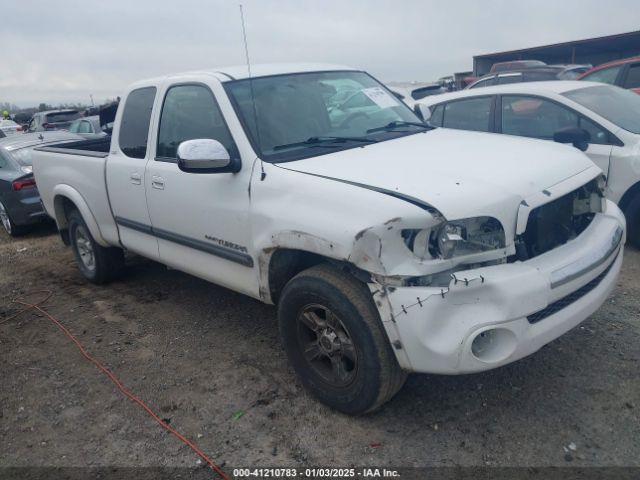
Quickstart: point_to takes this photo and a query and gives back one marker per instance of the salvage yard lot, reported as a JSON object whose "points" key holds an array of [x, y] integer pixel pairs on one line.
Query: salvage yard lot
{"points": [[209, 360]]}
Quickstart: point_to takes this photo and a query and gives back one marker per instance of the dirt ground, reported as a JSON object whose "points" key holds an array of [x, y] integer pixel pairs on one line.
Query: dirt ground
{"points": [[209, 360]]}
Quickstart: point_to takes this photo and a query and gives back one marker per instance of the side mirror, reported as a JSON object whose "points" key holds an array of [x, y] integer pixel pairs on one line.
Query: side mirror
{"points": [[579, 137], [204, 155], [423, 111]]}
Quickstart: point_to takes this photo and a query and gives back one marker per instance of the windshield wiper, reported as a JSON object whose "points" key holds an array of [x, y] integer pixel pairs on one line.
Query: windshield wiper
{"points": [[325, 142], [393, 125]]}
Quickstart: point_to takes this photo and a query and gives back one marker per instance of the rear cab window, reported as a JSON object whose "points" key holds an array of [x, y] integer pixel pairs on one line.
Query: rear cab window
{"points": [[134, 126]]}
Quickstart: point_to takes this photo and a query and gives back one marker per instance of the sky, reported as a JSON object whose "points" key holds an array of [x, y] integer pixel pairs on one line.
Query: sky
{"points": [[64, 50]]}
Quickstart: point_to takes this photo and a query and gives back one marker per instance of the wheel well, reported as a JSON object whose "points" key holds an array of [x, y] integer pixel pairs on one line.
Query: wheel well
{"points": [[286, 263], [629, 195], [63, 207]]}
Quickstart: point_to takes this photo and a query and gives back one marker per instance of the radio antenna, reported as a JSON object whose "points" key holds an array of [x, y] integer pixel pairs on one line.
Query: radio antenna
{"points": [[253, 96]]}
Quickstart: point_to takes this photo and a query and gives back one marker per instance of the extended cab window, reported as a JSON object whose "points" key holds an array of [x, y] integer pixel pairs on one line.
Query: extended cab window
{"points": [[134, 127], [472, 114], [538, 118], [190, 112]]}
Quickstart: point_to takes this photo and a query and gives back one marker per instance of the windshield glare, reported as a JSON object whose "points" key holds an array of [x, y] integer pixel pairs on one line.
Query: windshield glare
{"points": [[293, 108], [619, 106]]}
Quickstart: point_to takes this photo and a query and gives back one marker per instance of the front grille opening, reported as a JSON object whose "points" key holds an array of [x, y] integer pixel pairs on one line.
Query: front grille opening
{"points": [[559, 221], [573, 297]]}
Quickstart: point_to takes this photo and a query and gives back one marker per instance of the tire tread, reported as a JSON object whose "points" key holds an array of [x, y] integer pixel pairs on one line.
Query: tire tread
{"points": [[392, 377], [109, 260]]}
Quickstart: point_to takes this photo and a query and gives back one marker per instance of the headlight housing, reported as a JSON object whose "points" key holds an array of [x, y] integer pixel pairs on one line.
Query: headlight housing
{"points": [[456, 238]]}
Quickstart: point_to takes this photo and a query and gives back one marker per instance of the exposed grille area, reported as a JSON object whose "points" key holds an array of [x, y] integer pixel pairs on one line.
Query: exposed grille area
{"points": [[569, 299], [555, 223]]}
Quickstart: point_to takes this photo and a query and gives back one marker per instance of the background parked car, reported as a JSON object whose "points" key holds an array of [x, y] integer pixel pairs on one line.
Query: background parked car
{"points": [[601, 120], [623, 73], [515, 65], [20, 204], [87, 127], [52, 120], [409, 94], [9, 127], [533, 74]]}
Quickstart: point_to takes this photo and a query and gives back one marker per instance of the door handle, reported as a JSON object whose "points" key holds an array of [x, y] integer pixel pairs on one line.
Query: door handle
{"points": [[157, 182], [136, 178]]}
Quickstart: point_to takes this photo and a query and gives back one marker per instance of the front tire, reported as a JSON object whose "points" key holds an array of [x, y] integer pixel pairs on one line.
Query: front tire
{"points": [[96, 263], [333, 336], [632, 214]]}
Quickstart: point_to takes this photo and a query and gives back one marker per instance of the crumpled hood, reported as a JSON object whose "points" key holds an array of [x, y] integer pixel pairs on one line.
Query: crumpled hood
{"points": [[460, 173]]}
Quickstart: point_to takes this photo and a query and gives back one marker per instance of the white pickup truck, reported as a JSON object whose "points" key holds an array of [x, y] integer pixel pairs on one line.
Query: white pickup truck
{"points": [[388, 246]]}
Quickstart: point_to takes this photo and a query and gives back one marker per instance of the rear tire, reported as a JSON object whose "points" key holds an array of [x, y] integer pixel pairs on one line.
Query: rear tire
{"points": [[632, 214], [9, 226], [335, 341], [96, 263]]}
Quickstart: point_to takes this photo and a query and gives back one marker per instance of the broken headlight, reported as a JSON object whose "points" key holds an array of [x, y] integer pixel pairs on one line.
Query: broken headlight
{"points": [[456, 238]]}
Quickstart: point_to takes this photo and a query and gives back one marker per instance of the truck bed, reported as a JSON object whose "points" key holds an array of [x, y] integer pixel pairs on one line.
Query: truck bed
{"points": [[91, 147], [77, 170]]}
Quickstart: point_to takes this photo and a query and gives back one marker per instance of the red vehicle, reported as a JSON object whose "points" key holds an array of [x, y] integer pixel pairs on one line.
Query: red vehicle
{"points": [[623, 73]]}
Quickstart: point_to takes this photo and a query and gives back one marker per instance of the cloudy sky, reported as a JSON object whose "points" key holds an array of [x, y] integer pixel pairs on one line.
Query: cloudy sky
{"points": [[64, 50]]}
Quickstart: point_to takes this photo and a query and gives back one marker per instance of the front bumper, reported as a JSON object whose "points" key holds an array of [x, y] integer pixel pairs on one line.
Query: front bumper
{"points": [[495, 315]]}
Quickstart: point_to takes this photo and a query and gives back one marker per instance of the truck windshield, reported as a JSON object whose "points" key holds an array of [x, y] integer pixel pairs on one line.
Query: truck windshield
{"points": [[286, 116], [619, 106]]}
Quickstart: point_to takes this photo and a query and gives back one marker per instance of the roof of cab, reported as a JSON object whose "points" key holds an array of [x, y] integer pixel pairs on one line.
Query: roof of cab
{"points": [[240, 72], [553, 86]]}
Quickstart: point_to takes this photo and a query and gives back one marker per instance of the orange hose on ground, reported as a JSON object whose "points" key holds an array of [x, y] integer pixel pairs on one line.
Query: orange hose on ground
{"points": [[36, 306]]}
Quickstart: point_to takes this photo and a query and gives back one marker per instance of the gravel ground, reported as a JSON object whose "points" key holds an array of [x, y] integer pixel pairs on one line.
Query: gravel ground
{"points": [[209, 360]]}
